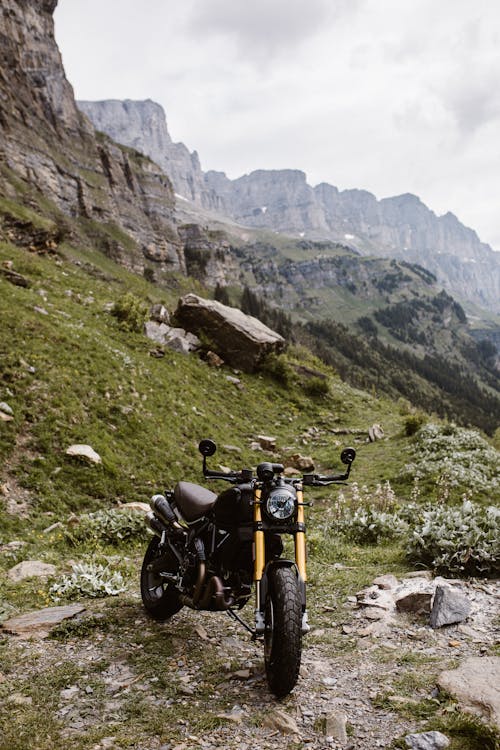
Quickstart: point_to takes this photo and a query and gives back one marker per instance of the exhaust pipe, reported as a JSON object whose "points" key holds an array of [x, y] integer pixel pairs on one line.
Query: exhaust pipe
{"points": [[155, 524], [163, 509]]}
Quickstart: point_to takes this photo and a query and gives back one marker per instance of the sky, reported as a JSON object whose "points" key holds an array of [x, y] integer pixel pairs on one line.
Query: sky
{"points": [[390, 96]]}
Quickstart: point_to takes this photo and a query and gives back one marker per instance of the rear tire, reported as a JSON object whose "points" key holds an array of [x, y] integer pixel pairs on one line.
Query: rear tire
{"points": [[161, 599], [283, 631]]}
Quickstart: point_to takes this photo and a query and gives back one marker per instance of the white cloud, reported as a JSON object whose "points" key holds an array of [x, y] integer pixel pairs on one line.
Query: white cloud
{"points": [[378, 94]]}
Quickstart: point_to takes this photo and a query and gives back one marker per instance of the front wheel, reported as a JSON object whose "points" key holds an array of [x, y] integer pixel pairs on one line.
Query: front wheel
{"points": [[283, 631], [160, 599]]}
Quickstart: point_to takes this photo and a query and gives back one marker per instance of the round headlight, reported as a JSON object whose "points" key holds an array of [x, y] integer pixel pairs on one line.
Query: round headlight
{"points": [[280, 504]]}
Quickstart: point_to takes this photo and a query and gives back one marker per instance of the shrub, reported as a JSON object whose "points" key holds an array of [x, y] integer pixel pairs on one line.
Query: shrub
{"points": [[460, 457], [88, 579], [461, 541], [371, 526], [316, 387], [413, 423], [112, 526], [130, 311]]}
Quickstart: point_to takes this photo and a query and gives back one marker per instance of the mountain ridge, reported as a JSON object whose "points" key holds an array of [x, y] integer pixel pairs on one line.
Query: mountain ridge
{"points": [[401, 227]]}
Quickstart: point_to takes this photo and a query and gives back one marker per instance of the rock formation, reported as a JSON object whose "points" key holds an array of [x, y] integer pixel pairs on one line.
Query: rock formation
{"points": [[47, 144], [398, 227], [241, 340]]}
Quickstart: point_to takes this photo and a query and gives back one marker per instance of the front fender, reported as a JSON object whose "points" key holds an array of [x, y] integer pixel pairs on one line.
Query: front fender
{"points": [[271, 565]]}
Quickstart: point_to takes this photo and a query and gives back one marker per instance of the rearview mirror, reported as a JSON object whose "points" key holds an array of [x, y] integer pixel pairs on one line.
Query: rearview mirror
{"points": [[347, 456], [207, 447]]}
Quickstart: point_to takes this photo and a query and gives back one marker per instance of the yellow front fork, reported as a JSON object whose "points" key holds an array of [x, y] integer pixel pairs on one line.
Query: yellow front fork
{"points": [[300, 538], [258, 538]]}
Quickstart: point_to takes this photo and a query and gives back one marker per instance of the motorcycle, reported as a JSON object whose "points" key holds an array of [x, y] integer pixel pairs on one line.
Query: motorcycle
{"points": [[209, 549]]}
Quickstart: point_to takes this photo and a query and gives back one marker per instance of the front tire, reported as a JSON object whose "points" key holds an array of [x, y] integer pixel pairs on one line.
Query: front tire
{"points": [[283, 631], [161, 599]]}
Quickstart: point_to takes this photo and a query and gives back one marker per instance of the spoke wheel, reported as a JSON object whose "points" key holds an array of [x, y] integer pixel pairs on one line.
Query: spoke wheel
{"points": [[161, 599], [283, 631]]}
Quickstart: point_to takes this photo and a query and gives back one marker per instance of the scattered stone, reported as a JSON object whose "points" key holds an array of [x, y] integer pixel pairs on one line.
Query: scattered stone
{"points": [[418, 602], [303, 463], [336, 726], [241, 674], [15, 278], [454, 644], [175, 338], [135, 506], [85, 453], [281, 721], [419, 574], [30, 569], [213, 359], [201, 632], [69, 693], [427, 741], [13, 546], [40, 310], [236, 714], [267, 443], [17, 699], [476, 686], [232, 448], [241, 340], [386, 582], [6, 409], [375, 432], [53, 527], [449, 606], [159, 313], [40, 622]]}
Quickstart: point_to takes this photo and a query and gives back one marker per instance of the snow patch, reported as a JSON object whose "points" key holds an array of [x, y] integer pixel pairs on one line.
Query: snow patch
{"points": [[348, 236]]}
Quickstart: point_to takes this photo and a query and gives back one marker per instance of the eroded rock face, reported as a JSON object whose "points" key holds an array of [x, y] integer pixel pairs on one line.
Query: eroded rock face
{"points": [[241, 340], [49, 144]]}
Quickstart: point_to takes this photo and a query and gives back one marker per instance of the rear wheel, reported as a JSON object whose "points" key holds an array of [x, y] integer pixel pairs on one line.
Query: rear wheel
{"points": [[160, 598], [283, 631]]}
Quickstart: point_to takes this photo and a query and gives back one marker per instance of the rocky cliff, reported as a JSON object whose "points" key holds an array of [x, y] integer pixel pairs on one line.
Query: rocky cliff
{"points": [[142, 125], [282, 200], [50, 152]]}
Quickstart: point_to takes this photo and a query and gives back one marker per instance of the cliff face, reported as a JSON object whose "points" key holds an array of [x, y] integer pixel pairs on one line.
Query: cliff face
{"points": [[46, 143], [142, 125], [281, 200], [400, 227]]}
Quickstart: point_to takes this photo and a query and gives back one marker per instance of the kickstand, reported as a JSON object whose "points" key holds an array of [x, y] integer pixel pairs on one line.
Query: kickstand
{"points": [[236, 617]]}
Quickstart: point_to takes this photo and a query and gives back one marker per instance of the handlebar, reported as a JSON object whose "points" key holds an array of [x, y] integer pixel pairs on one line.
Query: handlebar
{"points": [[266, 470]]}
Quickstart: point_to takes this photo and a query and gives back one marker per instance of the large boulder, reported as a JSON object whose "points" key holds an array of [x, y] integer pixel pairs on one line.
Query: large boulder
{"points": [[241, 340]]}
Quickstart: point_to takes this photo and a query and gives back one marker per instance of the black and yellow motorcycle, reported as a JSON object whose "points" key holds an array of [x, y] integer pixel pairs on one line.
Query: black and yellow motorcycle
{"points": [[209, 550]]}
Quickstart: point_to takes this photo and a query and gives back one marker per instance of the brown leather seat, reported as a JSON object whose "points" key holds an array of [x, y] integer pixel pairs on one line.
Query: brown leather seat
{"points": [[192, 500]]}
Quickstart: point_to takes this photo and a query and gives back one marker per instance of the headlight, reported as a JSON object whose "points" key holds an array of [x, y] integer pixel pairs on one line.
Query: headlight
{"points": [[280, 504]]}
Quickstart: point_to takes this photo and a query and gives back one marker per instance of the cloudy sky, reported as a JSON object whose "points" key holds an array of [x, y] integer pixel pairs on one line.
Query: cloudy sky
{"points": [[391, 96]]}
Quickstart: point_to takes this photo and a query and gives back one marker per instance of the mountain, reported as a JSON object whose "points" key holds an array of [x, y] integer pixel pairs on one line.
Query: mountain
{"points": [[68, 190], [281, 200], [50, 154]]}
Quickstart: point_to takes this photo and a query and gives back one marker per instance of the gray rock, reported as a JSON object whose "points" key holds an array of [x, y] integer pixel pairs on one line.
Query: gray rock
{"points": [[40, 622], [6, 409], [241, 340], [159, 313], [281, 721], [476, 686], [418, 602], [449, 606], [156, 331], [375, 432], [85, 453], [427, 741], [386, 582], [30, 569], [336, 726]]}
